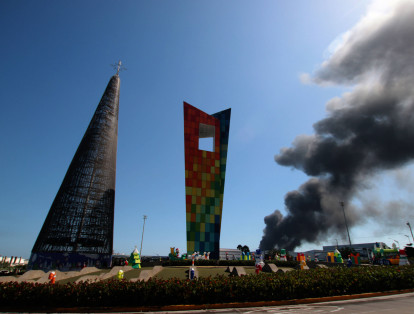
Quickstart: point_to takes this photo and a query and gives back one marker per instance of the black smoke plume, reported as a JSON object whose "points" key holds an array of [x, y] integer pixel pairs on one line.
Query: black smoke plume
{"points": [[367, 130]]}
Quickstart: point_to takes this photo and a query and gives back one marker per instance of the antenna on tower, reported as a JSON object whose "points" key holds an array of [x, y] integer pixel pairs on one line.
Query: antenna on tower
{"points": [[118, 67]]}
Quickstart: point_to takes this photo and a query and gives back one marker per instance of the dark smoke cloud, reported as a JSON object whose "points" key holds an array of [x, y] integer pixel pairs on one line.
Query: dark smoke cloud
{"points": [[368, 130]]}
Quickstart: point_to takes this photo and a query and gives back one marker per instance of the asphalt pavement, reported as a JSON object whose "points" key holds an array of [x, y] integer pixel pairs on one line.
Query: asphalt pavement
{"points": [[399, 303]]}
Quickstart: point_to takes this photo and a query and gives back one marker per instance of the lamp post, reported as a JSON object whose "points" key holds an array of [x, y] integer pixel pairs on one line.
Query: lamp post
{"points": [[395, 241], [336, 243], [409, 226], [142, 238], [346, 224], [409, 241]]}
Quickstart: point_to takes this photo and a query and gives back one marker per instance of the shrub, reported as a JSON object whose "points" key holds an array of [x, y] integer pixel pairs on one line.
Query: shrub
{"points": [[202, 262], [221, 289]]}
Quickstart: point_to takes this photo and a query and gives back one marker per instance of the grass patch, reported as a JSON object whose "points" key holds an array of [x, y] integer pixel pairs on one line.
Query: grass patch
{"points": [[211, 271], [173, 272], [73, 279], [168, 272], [134, 273], [250, 270]]}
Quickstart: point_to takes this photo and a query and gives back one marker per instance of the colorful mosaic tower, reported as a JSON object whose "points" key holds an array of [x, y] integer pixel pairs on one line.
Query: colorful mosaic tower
{"points": [[204, 178]]}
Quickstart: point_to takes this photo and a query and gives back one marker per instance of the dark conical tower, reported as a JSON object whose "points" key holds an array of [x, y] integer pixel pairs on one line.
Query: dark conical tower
{"points": [[79, 226]]}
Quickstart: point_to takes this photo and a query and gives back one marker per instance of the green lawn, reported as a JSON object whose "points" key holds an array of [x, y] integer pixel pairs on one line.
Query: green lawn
{"points": [[134, 273], [250, 270], [203, 271], [173, 272], [180, 272], [73, 279], [211, 271]]}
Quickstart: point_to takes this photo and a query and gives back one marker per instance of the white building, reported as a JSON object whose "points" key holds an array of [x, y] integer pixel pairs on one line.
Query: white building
{"points": [[232, 254], [13, 260], [362, 248]]}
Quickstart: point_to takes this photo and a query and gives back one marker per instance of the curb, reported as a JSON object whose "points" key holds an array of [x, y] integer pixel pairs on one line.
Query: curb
{"points": [[207, 306]]}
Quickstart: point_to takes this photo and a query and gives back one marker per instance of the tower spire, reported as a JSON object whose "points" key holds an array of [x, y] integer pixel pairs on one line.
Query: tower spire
{"points": [[118, 67]]}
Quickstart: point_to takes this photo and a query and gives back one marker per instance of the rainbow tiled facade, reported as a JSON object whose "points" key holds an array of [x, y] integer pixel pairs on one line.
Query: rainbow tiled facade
{"points": [[204, 178]]}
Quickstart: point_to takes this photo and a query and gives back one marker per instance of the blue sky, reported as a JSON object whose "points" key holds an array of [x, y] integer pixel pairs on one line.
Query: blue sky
{"points": [[245, 55]]}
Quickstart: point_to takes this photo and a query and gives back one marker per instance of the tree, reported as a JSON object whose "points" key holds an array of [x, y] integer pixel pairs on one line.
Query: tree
{"points": [[245, 249], [346, 251], [272, 253]]}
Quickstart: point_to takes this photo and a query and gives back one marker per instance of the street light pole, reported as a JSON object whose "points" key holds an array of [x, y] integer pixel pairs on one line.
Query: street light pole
{"points": [[409, 226], [346, 224], [142, 238], [395, 241]]}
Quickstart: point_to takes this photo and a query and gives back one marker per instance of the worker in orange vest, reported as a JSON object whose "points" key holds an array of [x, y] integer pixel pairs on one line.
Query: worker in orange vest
{"points": [[52, 277]]}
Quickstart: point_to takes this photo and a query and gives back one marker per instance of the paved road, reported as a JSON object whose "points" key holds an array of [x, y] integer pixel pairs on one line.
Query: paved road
{"points": [[401, 304]]}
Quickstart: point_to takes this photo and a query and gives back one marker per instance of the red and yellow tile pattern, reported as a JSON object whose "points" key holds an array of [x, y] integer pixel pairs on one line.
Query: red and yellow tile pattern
{"points": [[204, 184]]}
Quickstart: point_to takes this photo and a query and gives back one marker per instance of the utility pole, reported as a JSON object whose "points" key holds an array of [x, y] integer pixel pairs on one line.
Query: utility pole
{"points": [[395, 241], [346, 224], [142, 238], [409, 226]]}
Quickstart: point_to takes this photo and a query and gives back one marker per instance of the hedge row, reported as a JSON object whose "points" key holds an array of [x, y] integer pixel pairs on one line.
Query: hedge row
{"points": [[226, 263], [202, 262], [221, 289]]}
